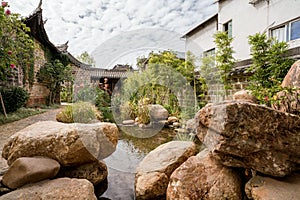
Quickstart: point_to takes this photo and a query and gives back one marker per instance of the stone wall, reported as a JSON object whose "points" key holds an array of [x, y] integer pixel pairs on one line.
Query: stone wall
{"points": [[38, 92], [216, 91]]}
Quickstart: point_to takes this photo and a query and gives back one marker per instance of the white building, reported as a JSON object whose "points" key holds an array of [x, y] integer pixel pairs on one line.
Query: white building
{"points": [[241, 18]]}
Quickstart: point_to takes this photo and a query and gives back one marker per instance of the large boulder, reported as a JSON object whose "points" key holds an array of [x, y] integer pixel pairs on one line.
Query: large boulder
{"points": [[242, 134], [157, 112], [288, 100], [152, 174], [202, 177], [57, 189], [292, 78], [260, 188], [94, 172], [69, 144], [30, 170]]}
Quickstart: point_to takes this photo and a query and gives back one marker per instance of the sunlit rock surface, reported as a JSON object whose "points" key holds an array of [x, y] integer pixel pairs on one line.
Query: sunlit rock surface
{"points": [[242, 134], [152, 175], [202, 177], [69, 144], [57, 189]]}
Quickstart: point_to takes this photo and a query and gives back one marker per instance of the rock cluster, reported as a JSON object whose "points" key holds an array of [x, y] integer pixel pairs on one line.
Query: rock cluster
{"points": [[250, 152], [153, 173], [242, 134], [53, 150]]}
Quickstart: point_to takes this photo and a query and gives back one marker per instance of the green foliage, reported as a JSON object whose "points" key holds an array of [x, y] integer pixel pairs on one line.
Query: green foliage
{"points": [[19, 114], [53, 75], [103, 103], [79, 112], [16, 46], [66, 94], [205, 79], [224, 57], [86, 93], [86, 58], [13, 98], [269, 67]]}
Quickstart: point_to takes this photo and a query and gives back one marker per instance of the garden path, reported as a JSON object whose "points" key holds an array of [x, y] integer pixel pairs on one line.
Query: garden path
{"points": [[9, 129]]}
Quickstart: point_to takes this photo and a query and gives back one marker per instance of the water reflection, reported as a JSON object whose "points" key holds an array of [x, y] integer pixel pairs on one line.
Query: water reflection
{"points": [[123, 162]]}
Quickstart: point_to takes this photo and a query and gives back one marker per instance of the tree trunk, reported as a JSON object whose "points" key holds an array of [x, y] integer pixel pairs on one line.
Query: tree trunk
{"points": [[3, 106]]}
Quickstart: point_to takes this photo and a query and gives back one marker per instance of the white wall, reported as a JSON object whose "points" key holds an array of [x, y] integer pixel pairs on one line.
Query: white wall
{"points": [[248, 19], [202, 40]]}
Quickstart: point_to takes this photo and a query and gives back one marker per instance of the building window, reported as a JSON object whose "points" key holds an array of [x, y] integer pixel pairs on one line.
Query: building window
{"points": [[287, 32], [209, 57], [210, 52], [228, 28], [295, 30]]}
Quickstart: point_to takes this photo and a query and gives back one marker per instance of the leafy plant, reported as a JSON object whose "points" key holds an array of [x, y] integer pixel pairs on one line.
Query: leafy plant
{"points": [[224, 57], [270, 65], [19, 114], [13, 98], [80, 112], [103, 103], [16, 46], [53, 74]]}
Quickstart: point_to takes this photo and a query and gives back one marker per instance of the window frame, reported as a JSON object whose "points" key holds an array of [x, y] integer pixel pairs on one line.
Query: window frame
{"points": [[287, 30], [227, 25]]}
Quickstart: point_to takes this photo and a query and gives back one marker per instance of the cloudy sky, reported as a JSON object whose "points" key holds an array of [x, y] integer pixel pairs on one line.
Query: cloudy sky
{"points": [[115, 30]]}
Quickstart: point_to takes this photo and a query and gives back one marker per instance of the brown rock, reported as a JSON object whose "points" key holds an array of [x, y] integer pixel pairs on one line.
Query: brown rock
{"points": [[152, 176], [265, 188], [157, 112], [244, 95], [202, 177], [30, 170], [292, 79], [69, 144], [94, 172], [288, 100], [241, 134], [57, 189], [172, 119]]}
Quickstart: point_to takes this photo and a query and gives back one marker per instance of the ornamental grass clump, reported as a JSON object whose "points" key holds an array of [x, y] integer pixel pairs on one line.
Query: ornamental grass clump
{"points": [[79, 112]]}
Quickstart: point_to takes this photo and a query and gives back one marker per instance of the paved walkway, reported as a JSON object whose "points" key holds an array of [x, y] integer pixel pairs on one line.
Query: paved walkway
{"points": [[9, 129]]}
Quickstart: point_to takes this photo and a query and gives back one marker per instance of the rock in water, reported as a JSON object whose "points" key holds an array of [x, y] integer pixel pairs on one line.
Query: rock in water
{"points": [[69, 144], [242, 134], [157, 112], [202, 177], [260, 187], [94, 172], [57, 189], [152, 176], [30, 170]]}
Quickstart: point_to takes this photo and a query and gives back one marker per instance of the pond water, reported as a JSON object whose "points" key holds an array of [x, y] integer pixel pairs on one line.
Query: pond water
{"points": [[123, 162]]}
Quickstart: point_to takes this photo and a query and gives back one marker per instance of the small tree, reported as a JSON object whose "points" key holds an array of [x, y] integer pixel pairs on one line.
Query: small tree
{"points": [[270, 65], [224, 57], [86, 58], [53, 74]]}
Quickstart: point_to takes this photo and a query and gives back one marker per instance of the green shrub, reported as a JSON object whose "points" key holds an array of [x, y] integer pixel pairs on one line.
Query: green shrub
{"points": [[103, 103], [80, 112], [13, 98]]}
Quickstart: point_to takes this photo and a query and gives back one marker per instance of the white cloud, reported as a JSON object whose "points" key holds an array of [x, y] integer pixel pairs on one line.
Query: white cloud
{"points": [[86, 24]]}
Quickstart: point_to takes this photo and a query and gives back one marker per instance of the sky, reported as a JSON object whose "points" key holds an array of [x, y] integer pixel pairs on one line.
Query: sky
{"points": [[118, 31]]}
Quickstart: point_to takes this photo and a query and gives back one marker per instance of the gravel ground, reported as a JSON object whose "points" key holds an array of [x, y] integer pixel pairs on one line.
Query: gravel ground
{"points": [[9, 129]]}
